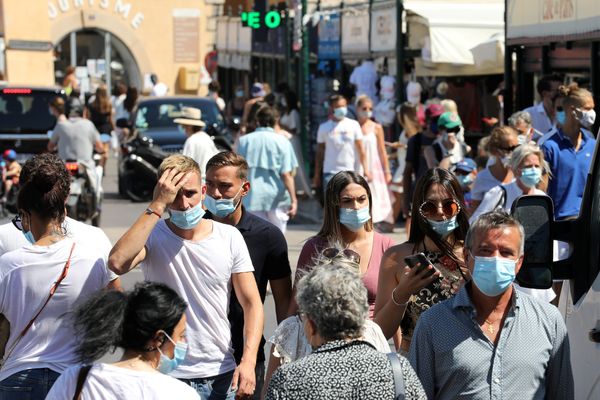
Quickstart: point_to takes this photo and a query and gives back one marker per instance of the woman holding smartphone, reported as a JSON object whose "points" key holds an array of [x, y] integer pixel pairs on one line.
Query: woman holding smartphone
{"points": [[438, 231]]}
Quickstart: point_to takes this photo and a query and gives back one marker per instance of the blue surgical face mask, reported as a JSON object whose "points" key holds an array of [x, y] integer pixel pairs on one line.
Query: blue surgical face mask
{"points": [[167, 365], [222, 207], [365, 114], [465, 180], [239, 93], [530, 177], [493, 275], [561, 117], [340, 113], [354, 219], [187, 219], [443, 228], [29, 236]]}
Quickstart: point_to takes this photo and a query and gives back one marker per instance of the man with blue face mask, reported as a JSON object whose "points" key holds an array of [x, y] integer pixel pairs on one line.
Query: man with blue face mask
{"points": [[202, 260], [226, 184], [491, 341], [339, 145]]}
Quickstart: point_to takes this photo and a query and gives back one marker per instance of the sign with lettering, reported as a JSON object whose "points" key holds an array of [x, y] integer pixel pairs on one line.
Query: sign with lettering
{"points": [[256, 20], [186, 35], [119, 7]]}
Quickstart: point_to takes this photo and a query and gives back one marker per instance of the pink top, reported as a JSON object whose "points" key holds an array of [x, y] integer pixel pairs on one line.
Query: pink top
{"points": [[380, 244]]}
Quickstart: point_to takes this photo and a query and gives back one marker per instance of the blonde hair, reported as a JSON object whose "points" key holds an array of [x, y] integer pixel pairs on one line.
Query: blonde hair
{"points": [[449, 105], [499, 136], [524, 151], [573, 95], [362, 99], [180, 163]]}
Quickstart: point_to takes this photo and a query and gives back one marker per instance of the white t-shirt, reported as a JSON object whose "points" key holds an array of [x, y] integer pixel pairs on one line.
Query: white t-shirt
{"points": [[160, 89], [340, 148], [291, 120], [201, 273], [201, 148], [483, 183], [539, 119], [26, 276], [364, 78], [109, 382]]}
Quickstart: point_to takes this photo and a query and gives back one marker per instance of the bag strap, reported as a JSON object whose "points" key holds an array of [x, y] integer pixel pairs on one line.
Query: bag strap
{"points": [[502, 201], [61, 277], [397, 372], [81, 377]]}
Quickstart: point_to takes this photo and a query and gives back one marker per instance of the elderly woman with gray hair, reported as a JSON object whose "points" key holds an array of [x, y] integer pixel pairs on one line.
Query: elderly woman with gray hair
{"points": [[333, 306], [521, 121], [529, 168]]}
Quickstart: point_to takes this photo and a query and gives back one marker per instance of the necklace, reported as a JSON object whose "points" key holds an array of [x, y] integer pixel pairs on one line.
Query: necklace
{"points": [[490, 326]]}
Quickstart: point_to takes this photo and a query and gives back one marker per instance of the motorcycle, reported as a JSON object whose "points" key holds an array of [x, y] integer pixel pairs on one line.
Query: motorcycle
{"points": [[83, 202]]}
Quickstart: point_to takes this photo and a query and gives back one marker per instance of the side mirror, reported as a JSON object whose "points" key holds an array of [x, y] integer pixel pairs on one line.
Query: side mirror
{"points": [[535, 213]]}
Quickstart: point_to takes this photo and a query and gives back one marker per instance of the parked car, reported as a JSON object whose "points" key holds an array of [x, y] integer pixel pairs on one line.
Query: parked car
{"points": [[580, 296], [25, 121], [156, 136]]}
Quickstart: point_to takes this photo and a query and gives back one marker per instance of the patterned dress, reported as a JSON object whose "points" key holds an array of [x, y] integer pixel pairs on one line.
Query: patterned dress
{"points": [[448, 284]]}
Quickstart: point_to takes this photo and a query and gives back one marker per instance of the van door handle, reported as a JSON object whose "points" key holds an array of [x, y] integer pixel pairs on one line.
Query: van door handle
{"points": [[595, 335]]}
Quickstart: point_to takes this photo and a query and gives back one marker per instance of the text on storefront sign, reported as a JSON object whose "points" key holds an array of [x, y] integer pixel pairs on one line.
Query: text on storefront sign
{"points": [[119, 7], [253, 19]]}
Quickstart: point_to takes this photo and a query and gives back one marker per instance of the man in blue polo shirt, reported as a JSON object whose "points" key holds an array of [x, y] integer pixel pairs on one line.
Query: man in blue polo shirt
{"points": [[226, 185], [569, 151]]}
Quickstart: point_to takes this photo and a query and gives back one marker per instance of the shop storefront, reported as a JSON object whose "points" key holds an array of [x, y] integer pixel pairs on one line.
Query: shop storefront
{"points": [[234, 46], [108, 40]]}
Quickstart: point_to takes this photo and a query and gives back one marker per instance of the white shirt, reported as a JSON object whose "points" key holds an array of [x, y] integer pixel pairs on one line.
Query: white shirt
{"points": [[291, 120], [26, 276], [340, 144], [160, 89], [539, 119], [201, 148], [109, 382], [201, 273], [483, 182], [364, 78]]}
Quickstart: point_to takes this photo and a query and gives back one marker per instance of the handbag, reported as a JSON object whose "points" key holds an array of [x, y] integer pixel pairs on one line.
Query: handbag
{"points": [[397, 372], [61, 277]]}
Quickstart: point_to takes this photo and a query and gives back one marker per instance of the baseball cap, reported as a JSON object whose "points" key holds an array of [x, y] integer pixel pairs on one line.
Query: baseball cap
{"points": [[10, 155], [449, 120], [257, 90], [435, 110], [466, 165]]}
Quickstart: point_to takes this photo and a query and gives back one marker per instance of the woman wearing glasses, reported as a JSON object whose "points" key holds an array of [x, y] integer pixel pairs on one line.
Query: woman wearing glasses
{"points": [[438, 230], [347, 224], [41, 282], [503, 141]]}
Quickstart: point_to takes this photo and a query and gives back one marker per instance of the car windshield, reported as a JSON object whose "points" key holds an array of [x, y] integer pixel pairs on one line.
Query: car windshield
{"points": [[161, 115], [22, 110]]}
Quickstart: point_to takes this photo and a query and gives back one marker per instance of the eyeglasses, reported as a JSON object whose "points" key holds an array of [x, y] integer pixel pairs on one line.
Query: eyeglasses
{"points": [[333, 252], [429, 209], [17, 222]]}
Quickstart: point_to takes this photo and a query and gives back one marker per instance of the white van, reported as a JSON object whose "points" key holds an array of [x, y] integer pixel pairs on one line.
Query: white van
{"points": [[580, 297]]}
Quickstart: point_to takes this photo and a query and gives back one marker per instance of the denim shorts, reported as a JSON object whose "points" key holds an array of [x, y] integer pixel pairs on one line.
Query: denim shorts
{"points": [[29, 384], [214, 387]]}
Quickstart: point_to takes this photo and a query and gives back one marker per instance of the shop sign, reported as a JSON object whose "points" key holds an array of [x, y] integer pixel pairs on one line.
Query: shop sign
{"points": [[383, 29], [329, 37], [186, 35], [256, 19], [355, 33], [119, 7], [30, 45]]}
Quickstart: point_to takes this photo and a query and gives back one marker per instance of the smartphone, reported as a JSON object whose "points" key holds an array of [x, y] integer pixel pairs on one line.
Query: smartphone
{"points": [[420, 259]]}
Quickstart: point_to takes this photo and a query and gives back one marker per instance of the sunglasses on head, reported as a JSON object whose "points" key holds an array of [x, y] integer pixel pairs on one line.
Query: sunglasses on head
{"points": [[509, 149], [332, 252], [429, 209]]}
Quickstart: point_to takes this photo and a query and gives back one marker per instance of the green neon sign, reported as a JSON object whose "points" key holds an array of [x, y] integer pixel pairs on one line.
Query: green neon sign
{"points": [[254, 19]]}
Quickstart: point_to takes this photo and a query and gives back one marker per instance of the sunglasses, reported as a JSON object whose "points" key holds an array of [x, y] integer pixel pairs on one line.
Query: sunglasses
{"points": [[17, 222], [509, 149], [429, 209], [332, 252]]}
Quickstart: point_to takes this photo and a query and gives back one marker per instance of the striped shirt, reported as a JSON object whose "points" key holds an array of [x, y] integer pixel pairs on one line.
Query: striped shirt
{"points": [[455, 360]]}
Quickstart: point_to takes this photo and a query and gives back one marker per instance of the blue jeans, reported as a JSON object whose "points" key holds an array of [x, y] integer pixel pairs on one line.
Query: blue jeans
{"points": [[212, 388], [30, 384]]}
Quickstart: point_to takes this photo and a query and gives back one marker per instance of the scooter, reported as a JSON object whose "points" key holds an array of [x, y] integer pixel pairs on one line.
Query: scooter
{"points": [[138, 169], [82, 203]]}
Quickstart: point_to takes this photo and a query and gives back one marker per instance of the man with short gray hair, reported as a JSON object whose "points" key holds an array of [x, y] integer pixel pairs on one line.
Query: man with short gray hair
{"points": [[491, 341], [521, 122]]}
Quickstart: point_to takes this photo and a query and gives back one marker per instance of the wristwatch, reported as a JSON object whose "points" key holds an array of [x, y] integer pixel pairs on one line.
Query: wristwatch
{"points": [[150, 211]]}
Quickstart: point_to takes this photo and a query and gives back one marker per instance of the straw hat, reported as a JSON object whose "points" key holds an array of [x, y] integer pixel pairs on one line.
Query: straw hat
{"points": [[190, 116]]}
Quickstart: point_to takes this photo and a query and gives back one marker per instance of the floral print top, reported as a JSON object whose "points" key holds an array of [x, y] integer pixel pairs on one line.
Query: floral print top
{"points": [[448, 284]]}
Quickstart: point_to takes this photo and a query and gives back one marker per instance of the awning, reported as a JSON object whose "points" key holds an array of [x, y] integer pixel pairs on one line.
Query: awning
{"points": [[234, 43], [446, 31], [490, 52]]}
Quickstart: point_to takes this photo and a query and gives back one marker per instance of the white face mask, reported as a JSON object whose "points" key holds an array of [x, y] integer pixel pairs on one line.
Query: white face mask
{"points": [[587, 118]]}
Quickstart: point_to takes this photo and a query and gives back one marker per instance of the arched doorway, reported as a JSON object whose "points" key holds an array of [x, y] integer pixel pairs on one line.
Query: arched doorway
{"points": [[91, 49]]}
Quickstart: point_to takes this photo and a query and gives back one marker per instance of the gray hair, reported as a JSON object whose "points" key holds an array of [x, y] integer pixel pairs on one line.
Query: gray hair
{"points": [[497, 219], [524, 151], [335, 299], [523, 116]]}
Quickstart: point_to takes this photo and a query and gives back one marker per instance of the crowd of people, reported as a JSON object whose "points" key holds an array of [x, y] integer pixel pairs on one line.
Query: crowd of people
{"points": [[212, 240]]}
